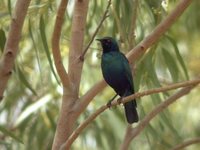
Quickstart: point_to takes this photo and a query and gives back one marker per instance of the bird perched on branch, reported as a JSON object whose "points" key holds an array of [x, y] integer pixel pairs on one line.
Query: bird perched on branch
{"points": [[117, 73]]}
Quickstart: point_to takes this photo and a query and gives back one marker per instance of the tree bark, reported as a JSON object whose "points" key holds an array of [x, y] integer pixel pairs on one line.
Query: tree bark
{"points": [[68, 113], [12, 42]]}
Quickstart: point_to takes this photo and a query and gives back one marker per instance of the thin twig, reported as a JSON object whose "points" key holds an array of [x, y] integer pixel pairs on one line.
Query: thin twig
{"points": [[75, 66], [105, 15], [55, 44], [82, 126], [187, 143]]}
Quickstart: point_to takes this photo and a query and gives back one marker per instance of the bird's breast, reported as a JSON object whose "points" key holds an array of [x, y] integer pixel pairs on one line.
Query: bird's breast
{"points": [[113, 72]]}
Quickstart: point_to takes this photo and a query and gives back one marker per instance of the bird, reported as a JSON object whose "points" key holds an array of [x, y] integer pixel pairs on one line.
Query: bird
{"points": [[117, 73]]}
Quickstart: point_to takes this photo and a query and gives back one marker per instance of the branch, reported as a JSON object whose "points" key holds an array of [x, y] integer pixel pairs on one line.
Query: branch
{"points": [[76, 44], [105, 15], [55, 44], [186, 143], [11, 47], [82, 126], [136, 52], [152, 114], [68, 115]]}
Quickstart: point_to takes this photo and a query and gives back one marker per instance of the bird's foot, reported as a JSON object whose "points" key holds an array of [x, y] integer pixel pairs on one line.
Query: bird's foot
{"points": [[109, 104], [119, 100], [110, 101]]}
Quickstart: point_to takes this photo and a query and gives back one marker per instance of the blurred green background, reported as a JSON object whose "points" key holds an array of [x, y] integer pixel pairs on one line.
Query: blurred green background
{"points": [[30, 108]]}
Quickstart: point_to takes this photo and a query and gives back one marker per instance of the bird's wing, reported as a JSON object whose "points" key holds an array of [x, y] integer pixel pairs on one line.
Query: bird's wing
{"points": [[127, 71]]}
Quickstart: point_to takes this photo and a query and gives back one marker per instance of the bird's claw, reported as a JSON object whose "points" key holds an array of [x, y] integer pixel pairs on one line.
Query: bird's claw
{"points": [[109, 104], [119, 100]]}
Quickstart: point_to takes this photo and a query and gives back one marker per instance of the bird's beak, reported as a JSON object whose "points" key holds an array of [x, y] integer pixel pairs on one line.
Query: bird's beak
{"points": [[99, 40]]}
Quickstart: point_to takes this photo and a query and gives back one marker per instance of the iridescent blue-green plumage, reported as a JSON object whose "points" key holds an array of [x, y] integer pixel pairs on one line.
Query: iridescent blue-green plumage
{"points": [[117, 73]]}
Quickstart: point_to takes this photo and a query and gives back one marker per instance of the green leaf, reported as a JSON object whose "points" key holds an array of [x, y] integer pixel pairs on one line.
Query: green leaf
{"points": [[171, 64], [46, 48], [32, 109], [179, 57], [25, 81], [2, 39], [164, 116], [10, 134], [9, 7], [51, 119], [35, 47], [150, 67]]}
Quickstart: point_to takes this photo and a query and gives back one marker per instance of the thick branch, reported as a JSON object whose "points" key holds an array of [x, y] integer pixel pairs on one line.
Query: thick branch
{"points": [[76, 44], [68, 114], [136, 53], [186, 143], [55, 44], [11, 47], [76, 133]]}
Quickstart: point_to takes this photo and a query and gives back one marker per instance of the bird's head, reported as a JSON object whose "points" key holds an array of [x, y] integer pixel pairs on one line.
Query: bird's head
{"points": [[108, 44]]}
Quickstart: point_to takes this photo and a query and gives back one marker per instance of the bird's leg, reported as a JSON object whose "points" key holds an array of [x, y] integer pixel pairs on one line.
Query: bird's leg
{"points": [[119, 100], [110, 101]]}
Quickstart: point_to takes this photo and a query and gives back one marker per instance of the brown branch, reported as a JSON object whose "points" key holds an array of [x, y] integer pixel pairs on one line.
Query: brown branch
{"points": [[55, 44], [76, 132], [186, 143], [143, 123], [76, 44], [68, 114], [12, 42], [105, 15], [136, 52]]}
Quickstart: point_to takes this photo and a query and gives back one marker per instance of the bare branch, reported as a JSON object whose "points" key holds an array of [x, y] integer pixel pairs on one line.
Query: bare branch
{"points": [[76, 44], [11, 47], [68, 115], [76, 132], [105, 15], [136, 52], [55, 44], [187, 143]]}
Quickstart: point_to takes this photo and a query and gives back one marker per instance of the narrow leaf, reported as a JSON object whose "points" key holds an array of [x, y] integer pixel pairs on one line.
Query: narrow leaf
{"points": [[25, 81], [10, 134], [179, 57], [2, 39], [171, 64], [35, 47], [46, 48]]}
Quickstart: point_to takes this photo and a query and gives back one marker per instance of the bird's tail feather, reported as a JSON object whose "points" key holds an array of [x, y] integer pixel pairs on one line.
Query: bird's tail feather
{"points": [[131, 112]]}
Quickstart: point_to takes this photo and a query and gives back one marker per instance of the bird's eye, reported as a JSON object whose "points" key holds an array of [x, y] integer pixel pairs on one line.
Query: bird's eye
{"points": [[108, 41]]}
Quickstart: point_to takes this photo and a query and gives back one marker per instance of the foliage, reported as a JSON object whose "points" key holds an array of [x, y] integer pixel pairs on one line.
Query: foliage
{"points": [[29, 111]]}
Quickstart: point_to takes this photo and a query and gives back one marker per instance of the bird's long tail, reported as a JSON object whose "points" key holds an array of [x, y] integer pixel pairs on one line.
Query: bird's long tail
{"points": [[131, 112]]}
